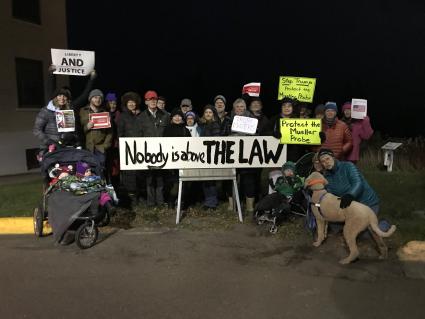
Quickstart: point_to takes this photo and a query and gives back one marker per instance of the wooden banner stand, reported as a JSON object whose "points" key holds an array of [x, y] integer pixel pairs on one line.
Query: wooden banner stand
{"points": [[208, 174]]}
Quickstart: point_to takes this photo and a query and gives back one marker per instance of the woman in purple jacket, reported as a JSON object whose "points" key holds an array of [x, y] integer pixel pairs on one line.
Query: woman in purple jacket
{"points": [[360, 130]]}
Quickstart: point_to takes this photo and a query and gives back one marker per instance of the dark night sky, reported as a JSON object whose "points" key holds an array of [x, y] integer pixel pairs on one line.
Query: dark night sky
{"points": [[198, 49]]}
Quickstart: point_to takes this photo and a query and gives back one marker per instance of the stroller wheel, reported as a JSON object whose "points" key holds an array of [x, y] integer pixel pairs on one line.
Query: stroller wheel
{"points": [[86, 235], [37, 219], [273, 229]]}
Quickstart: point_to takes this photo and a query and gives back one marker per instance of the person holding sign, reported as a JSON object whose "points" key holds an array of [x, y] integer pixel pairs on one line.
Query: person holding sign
{"points": [[46, 124], [247, 176], [360, 130], [289, 109], [98, 140], [338, 135]]}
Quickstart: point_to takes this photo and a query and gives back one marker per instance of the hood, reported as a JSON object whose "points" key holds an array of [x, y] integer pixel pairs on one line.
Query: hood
{"points": [[50, 106]]}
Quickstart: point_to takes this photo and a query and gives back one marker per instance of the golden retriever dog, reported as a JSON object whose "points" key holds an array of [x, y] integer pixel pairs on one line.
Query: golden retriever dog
{"points": [[357, 218]]}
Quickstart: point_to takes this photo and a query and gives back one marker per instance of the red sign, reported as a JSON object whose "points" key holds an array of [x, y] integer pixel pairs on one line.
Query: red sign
{"points": [[252, 89], [100, 120]]}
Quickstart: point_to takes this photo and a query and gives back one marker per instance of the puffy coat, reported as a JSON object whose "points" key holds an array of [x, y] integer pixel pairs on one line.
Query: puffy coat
{"points": [[360, 130], [154, 126], [100, 139], [45, 128], [130, 125], [338, 139], [345, 178], [210, 128]]}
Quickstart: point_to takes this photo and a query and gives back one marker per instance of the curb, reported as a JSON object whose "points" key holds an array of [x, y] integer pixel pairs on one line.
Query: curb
{"points": [[16, 226]]}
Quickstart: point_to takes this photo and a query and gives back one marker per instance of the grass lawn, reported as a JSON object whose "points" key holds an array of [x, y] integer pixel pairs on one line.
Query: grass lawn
{"points": [[402, 200], [401, 193], [19, 199]]}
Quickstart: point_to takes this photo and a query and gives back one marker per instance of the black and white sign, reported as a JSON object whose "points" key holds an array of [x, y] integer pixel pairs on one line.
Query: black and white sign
{"points": [[73, 62], [200, 152]]}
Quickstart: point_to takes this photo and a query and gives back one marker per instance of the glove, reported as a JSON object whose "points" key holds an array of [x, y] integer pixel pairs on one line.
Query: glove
{"points": [[322, 137], [346, 200]]}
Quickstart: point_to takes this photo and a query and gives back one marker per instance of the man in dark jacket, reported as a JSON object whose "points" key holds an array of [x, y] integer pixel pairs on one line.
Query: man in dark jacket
{"points": [[153, 122]]}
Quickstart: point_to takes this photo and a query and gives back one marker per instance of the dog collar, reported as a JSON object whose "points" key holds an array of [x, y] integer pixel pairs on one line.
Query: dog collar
{"points": [[316, 181]]}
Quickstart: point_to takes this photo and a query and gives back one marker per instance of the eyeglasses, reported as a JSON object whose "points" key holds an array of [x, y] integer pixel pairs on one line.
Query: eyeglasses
{"points": [[185, 105]]}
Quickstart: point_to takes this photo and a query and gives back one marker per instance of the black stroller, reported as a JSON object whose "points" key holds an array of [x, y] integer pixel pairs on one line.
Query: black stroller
{"points": [[275, 210], [65, 211]]}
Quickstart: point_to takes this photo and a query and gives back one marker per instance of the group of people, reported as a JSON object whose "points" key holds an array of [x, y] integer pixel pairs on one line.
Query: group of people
{"points": [[148, 116]]}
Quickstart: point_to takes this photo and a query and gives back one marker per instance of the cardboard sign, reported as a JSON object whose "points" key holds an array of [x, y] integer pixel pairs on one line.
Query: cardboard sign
{"points": [[100, 120], [358, 108], [252, 89], [300, 131], [244, 124], [72, 62], [200, 152], [65, 121], [298, 88]]}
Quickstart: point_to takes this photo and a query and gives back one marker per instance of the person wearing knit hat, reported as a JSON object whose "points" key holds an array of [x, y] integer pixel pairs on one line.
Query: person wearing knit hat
{"points": [[111, 102], [192, 124], [289, 165], [337, 134], [361, 130], [220, 107], [98, 141], [96, 93], [186, 105]]}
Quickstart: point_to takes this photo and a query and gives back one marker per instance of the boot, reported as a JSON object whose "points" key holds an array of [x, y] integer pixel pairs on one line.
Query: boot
{"points": [[249, 205], [230, 207]]}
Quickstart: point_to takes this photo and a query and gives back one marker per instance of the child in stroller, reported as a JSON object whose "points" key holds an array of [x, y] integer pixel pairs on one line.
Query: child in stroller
{"points": [[69, 172], [287, 197]]}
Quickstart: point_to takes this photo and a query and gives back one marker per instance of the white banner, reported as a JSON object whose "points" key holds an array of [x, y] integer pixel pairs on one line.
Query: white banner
{"points": [[358, 108], [200, 152], [72, 62]]}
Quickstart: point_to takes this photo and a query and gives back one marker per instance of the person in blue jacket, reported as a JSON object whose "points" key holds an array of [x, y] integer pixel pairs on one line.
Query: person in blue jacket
{"points": [[347, 182]]}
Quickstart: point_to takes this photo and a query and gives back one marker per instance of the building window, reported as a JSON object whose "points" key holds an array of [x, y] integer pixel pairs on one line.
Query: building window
{"points": [[29, 80], [26, 10]]}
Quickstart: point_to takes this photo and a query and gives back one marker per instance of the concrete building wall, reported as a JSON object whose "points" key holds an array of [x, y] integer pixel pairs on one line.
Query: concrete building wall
{"points": [[20, 39]]}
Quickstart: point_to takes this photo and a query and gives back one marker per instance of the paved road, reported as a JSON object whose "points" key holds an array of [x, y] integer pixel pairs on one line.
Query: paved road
{"points": [[161, 273]]}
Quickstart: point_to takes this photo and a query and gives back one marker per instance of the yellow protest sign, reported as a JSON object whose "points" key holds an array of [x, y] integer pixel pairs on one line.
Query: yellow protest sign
{"points": [[300, 131], [298, 88]]}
